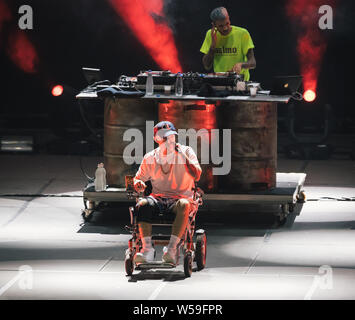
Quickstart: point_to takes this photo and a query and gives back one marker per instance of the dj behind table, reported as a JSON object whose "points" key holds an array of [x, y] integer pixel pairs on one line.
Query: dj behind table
{"points": [[207, 103]]}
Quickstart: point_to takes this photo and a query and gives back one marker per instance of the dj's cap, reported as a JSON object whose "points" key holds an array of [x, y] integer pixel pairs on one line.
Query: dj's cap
{"points": [[164, 129]]}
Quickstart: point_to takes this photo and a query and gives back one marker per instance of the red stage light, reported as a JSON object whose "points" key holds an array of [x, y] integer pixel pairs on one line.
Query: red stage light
{"points": [[57, 90], [147, 21], [309, 95], [311, 43]]}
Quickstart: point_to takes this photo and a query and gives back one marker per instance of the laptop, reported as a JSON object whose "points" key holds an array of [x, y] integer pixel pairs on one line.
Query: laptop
{"points": [[285, 85], [92, 75]]}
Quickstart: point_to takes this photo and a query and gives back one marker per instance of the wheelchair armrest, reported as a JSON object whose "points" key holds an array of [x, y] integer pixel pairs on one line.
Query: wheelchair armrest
{"points": [[131, 215], [198, 194], [200, 191]]}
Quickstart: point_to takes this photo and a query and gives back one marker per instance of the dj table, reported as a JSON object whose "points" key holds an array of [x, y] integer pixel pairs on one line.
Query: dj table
{"points": [[252, 180], [259, 97]]}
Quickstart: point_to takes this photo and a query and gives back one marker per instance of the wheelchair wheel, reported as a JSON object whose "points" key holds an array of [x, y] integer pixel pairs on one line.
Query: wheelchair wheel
{"points": [[188, 265], [128, 264], [201, 251]]}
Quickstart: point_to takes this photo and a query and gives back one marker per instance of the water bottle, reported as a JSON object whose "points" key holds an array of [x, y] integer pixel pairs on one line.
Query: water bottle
{"points": [[179, 86], [100, 178], [149, 86]]}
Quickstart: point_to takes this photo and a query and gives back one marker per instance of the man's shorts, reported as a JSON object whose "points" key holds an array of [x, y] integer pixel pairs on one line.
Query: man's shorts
{"points": [[157, 209]]}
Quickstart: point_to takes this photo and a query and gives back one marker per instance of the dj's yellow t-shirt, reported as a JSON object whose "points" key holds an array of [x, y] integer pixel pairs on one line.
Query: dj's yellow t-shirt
{"points": [[230, 49]]}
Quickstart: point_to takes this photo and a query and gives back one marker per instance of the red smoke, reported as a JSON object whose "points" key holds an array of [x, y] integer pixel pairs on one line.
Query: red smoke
{"points": [[19, 48], [310, 43], [5, 14], [22, 52], [310, 57], [156, 36]]}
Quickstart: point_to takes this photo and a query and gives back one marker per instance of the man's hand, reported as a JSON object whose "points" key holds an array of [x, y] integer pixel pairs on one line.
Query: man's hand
{"points": [[139, 186], [238, 67], [192, 169], [213, 36], [177, 148], [250, 64]]}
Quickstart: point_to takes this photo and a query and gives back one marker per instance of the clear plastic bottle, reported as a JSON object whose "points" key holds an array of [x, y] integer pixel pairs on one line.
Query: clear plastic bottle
{"points": [[100, 178], [149, 86], [179, 86]]}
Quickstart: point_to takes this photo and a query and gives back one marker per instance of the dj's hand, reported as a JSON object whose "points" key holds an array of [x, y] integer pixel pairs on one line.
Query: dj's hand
{"points": [[139, 185], [237, 67], [213, 36]]}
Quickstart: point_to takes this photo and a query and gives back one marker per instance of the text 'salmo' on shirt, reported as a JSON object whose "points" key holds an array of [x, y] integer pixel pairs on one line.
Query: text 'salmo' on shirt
{"points": [[230, 49]]}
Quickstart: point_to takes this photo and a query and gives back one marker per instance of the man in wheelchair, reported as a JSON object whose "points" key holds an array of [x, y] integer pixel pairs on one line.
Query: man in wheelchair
{"points": [[172, 169]]}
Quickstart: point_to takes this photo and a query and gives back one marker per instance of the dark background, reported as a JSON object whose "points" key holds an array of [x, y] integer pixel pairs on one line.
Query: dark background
{"points": [[68, 35]]}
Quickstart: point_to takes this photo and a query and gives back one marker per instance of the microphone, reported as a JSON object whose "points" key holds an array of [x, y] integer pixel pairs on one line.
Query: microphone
{"points": [[177, 149]]}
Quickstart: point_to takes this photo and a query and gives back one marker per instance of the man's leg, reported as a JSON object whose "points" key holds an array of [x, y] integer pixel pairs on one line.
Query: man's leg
{"points": [[182, 210], [145, 209], [144, 214]]}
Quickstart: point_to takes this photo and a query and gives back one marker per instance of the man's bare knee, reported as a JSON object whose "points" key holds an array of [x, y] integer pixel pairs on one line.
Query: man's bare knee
{"points": [[142, 202], [182, 205]]}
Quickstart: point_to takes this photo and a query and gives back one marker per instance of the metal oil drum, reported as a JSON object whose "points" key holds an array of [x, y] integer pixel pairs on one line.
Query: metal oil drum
{"points": [[119, 116], [253, 145], [194, 115]]}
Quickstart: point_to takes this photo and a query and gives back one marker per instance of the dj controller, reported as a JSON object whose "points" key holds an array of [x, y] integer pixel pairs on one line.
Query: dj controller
{"points": [[193, 82], [220, 84]]}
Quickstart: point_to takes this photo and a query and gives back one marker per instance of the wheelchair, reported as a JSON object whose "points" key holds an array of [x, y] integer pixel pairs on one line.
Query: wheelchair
{"points": [[193, 245]]}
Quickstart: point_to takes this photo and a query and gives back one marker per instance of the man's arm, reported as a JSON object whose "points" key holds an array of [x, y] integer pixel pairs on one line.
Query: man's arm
{"points": [[194, 170], [192, 165], [250, 64], [141, 176], [207, 59]]}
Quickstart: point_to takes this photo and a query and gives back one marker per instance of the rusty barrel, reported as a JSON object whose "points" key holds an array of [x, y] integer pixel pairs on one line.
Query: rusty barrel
{"points": [[194, 115], [253, 145], [119, 116]]}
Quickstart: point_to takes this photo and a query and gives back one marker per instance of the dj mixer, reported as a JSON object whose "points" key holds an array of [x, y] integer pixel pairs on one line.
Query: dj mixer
{"points": [[193, 82]]}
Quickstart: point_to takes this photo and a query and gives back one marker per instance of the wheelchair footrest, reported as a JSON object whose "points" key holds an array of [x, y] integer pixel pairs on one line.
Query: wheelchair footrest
{"points": [[155, 265], [160, 238]]}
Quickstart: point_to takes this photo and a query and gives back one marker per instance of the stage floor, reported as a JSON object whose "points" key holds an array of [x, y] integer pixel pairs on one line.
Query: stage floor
{"points": [[46, 252]]}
